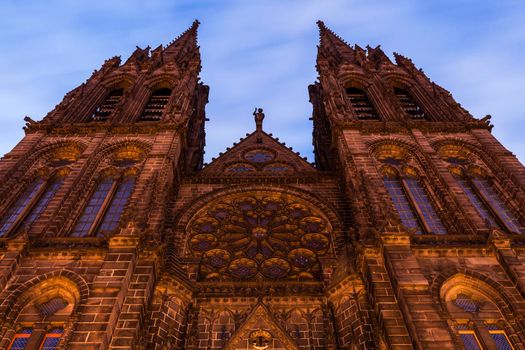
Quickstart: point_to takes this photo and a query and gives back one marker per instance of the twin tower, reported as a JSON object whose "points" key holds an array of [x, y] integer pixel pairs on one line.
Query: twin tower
{"points": [[407, 233]]}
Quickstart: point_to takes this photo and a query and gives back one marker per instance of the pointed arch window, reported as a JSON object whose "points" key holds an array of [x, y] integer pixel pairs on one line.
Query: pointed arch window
{"points": [[29, 205], [489, 196], [408, 104], [479, 190], [361, 104], [479, 324], [412, 202], [156, 104], [102, 213], [108, 106]]}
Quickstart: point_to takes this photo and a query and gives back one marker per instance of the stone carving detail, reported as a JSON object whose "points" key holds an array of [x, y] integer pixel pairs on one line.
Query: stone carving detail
{"points": [[269, 235]]}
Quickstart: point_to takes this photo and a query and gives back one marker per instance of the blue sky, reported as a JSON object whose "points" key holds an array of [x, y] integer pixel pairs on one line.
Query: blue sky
{"points": [[262, 53]]}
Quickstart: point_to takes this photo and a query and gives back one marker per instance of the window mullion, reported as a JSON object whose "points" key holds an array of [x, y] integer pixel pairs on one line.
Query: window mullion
{"points": [[27, 208], [103, 208], [489, 206], [415, 206]]}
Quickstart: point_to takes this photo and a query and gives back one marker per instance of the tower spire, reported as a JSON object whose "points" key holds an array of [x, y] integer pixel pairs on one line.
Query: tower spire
{"points": [[330, 41], [187, 40]]}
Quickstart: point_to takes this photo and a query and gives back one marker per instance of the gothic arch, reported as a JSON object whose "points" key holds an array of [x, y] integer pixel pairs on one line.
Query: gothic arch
{"points": [[38, 163], [300, 256], [503, 184], [99, 165], [124, 80], [16, 300], [160, 81], [474, 280], [193, 207]]}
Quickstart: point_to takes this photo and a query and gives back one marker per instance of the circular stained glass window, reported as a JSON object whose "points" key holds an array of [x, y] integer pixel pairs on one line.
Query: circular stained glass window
{"points": [[250, 234], [259, 156]]}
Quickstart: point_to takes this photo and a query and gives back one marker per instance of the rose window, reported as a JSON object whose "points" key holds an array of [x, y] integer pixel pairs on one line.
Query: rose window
{"points": [[259, 235]]}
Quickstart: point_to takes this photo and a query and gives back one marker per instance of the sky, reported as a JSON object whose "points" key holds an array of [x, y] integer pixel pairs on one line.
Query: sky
{"points": [[262, 54]]}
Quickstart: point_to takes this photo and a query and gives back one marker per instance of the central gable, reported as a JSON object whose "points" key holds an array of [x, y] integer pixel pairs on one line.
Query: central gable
{"points": [[259, 154]]}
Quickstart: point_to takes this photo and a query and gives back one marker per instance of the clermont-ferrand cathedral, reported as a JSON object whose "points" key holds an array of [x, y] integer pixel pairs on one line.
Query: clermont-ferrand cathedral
{"points": [[407, 232]]}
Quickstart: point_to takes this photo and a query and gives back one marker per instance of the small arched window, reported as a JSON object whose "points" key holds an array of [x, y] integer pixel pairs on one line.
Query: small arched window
{"points": [[29, 205], [156, 104], [363, 108], [408, 104], [108, 106], [476, 320]]}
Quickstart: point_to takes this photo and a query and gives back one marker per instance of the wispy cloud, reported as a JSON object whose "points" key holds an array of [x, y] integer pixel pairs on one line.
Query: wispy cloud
{"points": [[263, 54]]}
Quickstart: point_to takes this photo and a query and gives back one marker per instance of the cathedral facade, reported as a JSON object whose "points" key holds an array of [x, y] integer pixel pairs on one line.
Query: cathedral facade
{"points": [[406, 233]]}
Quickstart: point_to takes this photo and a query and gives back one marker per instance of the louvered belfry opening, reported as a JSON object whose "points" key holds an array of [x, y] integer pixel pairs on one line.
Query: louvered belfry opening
{"points": [[362, 106], [408, 104], [156, 104], [108, 106]]}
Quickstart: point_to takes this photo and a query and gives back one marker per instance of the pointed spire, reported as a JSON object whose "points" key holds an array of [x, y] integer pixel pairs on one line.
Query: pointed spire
{"points": [[330, 41], [187, 39]]}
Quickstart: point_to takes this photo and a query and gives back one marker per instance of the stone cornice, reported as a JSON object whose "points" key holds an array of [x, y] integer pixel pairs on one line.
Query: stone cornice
{"points": [[371, 127], [144, 127]]}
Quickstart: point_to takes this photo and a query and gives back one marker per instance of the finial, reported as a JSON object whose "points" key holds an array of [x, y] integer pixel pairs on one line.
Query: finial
{"points": [[259, 116]]}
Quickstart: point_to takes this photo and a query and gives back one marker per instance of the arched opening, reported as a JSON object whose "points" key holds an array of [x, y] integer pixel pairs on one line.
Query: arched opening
{"points": [[156, 104], [104, 111], [474, 315], [408, 195], [45, 313], [363, 108], [480, 189], [409, 104]]}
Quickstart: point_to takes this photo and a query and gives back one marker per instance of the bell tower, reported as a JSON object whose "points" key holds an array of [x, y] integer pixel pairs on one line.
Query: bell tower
{"points": [[95, 175], [418, 171]]}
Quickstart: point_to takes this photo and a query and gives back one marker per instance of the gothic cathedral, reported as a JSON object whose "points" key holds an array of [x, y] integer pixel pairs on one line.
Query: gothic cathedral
{"points": [[406, 233]]}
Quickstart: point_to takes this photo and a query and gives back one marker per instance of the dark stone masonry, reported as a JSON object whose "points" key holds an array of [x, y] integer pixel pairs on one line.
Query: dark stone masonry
{"points": [[406, 233]]}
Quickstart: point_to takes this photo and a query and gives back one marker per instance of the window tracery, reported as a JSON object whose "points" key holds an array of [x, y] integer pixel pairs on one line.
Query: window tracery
{"points": [[46, 309], [361, 104], [102, 212], [410, 200], [477, 321], [34, 199], [477, 186], [259, 235]]}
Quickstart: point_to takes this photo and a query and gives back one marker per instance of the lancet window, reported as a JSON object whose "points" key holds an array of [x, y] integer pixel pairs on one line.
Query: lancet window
{"points": [[30, 204], [409, 197], [480, 189], [102, 213], [108, 106], [361, 104], [408, 104], [156, 104], [104, 208]]}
